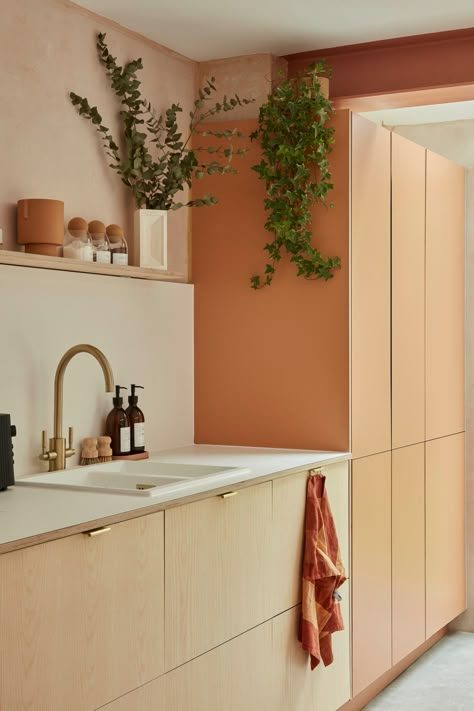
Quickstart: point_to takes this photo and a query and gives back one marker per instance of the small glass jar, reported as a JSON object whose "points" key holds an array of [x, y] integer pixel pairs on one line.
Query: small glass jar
{"points": [[118, 245], [100, 242], [77, 241]]}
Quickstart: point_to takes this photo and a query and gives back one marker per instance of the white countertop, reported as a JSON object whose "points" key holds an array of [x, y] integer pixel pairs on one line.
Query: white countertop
{"points": [[27, 512]]}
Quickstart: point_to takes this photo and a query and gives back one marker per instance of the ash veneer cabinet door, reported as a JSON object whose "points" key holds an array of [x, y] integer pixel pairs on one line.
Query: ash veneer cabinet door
{"points": [[371, 569], [444, 297], [124, 579], [217, 565], [294, 686], [287, 541], [445, 531], [370, 288], [232, 677], [43, 645], [82, 618], [408, 292], [408, 550]]}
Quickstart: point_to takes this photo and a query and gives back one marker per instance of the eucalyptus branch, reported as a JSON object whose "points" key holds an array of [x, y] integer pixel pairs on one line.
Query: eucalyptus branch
{"points": [[295, 141], [156, 161]]}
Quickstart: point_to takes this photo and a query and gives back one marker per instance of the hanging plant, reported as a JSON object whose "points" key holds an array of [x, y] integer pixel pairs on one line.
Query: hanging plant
{"points": [[295, 141], [157, 161]]}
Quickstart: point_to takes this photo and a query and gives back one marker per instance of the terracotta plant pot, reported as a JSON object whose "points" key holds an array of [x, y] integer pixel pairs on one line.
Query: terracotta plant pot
{"points": [[40, 226]]}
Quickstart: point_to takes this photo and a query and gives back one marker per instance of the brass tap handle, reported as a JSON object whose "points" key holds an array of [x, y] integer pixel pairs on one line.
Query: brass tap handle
{"points": [[70, 450], [46, 455]]}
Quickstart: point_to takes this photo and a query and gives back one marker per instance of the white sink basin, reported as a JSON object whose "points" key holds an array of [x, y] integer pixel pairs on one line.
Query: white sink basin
{"points": [[141, 478]]}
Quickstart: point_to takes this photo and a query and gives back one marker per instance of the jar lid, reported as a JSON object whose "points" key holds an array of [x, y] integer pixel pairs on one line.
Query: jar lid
{"points": [[77, 223], [114, 231], [96, 227]]}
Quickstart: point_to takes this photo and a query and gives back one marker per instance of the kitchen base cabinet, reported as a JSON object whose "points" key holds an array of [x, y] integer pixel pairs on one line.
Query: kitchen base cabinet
{"points": [[217, 570], [232, 677], [371, 569], [294, 685], [408, 550], [445, 532], [81, 619], [289, 503]]}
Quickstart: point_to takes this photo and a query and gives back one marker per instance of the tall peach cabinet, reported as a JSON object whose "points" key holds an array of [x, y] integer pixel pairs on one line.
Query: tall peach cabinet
{"points": [[408, 468], [371, 361]]}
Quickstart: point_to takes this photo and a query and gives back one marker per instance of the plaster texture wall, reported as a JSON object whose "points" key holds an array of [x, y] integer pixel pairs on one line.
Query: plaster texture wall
{"points": [[454, 140], [48, 151]]}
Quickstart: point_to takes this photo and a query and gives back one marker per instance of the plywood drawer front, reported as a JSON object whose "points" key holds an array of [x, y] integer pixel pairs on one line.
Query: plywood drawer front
{"points": [[371, 569], [289, 503], [124, 580], [43, 642], [217, 570], [82, 618], [445, 532], [294, 685], [233, 677], [408, 550]]}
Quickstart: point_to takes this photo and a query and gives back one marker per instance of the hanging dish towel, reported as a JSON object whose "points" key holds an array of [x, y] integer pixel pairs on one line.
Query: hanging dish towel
{"points": [[323, 574]]}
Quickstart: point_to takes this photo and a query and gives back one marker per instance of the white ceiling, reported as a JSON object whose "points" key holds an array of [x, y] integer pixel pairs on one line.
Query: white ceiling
{"points": [[416, 115], [213, 29]]}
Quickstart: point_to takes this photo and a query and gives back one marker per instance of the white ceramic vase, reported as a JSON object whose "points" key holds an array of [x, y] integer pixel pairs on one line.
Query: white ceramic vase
{"points": [[151, 239]]}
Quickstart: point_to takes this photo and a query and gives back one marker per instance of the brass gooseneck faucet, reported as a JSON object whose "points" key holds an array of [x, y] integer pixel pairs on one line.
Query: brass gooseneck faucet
{"points": [[58, 453]]}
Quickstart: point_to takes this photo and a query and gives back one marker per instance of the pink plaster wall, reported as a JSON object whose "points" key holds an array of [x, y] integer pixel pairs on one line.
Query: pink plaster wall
{"points": [[46, 149]]}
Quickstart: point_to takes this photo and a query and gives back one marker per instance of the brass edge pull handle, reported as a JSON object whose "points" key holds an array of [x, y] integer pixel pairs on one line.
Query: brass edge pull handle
{"points": [[228, 494], [97, 531]]}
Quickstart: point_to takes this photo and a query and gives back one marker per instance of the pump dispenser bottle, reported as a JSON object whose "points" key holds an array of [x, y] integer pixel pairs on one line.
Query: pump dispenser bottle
{"points": [[118, 426], [137, 422]]}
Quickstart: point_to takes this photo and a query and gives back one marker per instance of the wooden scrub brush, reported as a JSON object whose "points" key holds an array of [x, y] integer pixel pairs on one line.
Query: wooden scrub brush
{"points": [[89, 452], [105, 450]]}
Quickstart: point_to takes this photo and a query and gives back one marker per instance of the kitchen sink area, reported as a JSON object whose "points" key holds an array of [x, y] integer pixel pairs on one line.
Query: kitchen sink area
{"points": [[150, 478]]}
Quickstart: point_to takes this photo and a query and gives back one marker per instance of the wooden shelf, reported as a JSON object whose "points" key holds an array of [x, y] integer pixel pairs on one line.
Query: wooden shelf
{"points": [[20, 259]]}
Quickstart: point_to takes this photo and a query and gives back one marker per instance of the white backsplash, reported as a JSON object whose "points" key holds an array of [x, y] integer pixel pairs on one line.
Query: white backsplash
{"points": [[144, 328]]}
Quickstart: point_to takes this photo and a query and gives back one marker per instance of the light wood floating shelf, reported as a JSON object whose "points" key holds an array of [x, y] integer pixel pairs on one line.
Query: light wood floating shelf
{"points": [[20, 259]]}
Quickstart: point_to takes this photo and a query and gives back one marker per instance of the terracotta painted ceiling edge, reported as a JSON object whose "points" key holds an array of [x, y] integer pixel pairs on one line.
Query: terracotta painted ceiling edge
{"points": [[440, 64]]}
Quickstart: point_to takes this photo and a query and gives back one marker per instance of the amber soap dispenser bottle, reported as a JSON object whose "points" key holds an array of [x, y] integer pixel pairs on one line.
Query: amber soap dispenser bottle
{"points": [[118, 426], [137, 422]]}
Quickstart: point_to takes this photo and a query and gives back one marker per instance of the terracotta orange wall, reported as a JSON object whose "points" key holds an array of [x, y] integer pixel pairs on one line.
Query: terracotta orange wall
{"points": [[422, 62], [48, 49], [271, 366]]}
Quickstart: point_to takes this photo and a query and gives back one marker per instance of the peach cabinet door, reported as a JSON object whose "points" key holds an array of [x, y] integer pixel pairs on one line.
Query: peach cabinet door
{"points": [[408, 292], [408, 550], [217, 564], [444, 297], [371, 570], [445, 534], [370, 293]]}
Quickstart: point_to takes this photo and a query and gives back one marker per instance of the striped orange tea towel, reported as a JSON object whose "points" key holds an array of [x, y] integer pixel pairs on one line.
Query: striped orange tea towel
{"points": [[323, 574]]}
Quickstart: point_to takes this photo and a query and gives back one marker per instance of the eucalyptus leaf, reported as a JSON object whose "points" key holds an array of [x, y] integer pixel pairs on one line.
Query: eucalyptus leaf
{"points": [[156, 162]]}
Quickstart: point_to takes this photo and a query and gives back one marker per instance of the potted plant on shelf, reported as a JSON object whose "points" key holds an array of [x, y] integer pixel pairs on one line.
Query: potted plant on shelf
{"points": [[155, 160], [295, 140]]}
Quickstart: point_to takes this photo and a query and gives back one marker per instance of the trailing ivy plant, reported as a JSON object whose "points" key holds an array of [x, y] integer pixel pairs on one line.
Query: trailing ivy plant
{"points": [[156, 161], [295, 141]]}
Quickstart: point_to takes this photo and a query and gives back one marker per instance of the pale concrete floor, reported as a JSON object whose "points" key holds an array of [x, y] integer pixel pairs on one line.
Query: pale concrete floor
{"points": [[441, 680]]}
